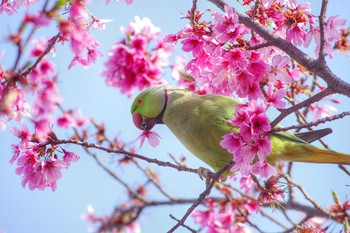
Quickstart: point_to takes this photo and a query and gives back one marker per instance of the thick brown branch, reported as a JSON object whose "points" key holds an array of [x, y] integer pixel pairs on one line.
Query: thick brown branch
{"points": [[316, 66]]}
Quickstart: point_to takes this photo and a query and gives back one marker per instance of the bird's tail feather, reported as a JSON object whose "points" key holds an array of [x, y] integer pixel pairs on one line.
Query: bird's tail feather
{"points": [[311, 154]]}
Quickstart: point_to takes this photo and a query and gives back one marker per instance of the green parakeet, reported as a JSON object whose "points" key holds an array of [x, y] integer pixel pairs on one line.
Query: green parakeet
{"points": [[200, 122]]}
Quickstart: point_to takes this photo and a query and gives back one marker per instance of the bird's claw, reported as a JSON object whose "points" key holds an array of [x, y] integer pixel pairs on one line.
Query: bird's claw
{"points": [[208, 175]]}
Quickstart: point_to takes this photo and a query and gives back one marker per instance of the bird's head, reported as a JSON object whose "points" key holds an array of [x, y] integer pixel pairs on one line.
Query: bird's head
{"points": [[148, 107]]}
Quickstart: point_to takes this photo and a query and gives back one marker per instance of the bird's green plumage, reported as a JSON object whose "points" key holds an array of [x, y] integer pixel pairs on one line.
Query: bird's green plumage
{"points": [[200, 122]]}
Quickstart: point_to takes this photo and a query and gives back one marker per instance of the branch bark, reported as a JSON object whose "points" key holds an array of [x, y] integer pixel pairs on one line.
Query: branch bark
{"points": [[316, 66]]}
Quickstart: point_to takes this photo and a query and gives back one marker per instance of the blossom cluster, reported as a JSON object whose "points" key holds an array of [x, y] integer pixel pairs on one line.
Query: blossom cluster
{"points": [[295, 23], [39, 166], [229, 59], [72, 118], [223, 64], [135, 61], [250, 144], [76, 30], [11, 7], [228, 216]]}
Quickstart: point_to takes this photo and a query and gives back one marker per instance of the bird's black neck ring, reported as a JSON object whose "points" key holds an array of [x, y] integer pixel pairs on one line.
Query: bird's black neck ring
{"points": [[159, 118]]}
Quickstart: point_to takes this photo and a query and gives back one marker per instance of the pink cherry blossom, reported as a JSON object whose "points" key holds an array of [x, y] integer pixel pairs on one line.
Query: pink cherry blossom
{"points": [[256, 65], [39, 47], [132, 63], [203, 217], [65, 121], [193, 44], [259, 124], [3, 125], [151, 136], [241, 116], [232, 142], [75, 30], [252, 141], [92, 55], [274, 98], [246, 184], [237, 58], [227, 27], [277, 70], [38, 169], [264, 169], [20, 3], [70, 157], [296, 35], [8, 8], [17, 150], [52, 170], [26, 162], [38, 19], [22, 134], [80, 119], [98, 23], [223, 218], [332, 28], [321, 111], [313, 33]]}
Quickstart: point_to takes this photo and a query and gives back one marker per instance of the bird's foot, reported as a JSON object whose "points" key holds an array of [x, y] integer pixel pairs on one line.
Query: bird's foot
{"points": [[208, 175]]}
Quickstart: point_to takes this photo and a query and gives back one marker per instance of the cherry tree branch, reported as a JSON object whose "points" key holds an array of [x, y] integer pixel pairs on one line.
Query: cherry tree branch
{"points": [[11, 82], [120, 151], [317, 211], [285, 112], [322, 18], [318, 67], [314, 123], [115, 176], [202, 196], [182, 224], [193, 12]]}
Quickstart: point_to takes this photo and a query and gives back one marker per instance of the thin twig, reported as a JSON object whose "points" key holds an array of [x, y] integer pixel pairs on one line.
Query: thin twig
{"points": [[40, 57], [315, 98], [322, 17], [254, 226], [342, 167], [120, 151], [258, 46], [115, 176], [315, 123], [202, 196], [272, 219], [184, 225], [321, 211], [154, 181], [193, 12]]}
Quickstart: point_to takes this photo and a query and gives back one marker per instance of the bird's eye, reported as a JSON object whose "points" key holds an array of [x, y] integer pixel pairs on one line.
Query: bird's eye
{"points": [[139, 102]]}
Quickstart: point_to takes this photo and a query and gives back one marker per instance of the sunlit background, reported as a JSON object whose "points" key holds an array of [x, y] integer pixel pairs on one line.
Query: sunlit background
{"points": [[85, 183]]}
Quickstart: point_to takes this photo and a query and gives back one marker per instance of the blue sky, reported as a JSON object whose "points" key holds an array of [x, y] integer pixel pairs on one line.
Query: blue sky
{"points": [[84, 182]]}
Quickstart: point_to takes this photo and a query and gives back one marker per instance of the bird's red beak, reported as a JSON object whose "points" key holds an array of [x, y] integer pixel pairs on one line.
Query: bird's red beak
{"points": [[142, 122]]}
